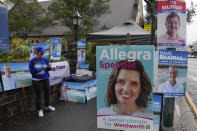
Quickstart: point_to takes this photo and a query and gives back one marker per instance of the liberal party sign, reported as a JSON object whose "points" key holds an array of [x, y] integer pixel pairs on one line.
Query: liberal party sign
{"points": [[55, 50], [4, 34], [15, 75], [45, 46], [172, 73], [171, 24], [124, 74]]}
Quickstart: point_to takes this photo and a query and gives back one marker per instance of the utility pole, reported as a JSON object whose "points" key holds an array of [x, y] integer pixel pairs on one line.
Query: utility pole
{"points": [[153, 22]]}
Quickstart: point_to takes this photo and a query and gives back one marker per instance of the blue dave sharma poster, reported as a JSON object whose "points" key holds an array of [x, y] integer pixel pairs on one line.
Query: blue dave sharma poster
{"points": [[172, 73], [124, 83], [4, 34]]}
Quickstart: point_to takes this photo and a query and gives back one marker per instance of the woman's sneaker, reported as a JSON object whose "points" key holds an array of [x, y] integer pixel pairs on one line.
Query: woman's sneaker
{"points": [[40, 113], [50, 108]]}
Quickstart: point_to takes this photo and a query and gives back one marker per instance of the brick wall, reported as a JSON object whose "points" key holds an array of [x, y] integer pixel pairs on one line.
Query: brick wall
{"points": [[12, 103]]}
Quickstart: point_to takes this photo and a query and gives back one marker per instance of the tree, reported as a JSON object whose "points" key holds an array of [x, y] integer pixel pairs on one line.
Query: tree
{"points": [[26, 17], [190, 13], [62, 10], [151, 18], [6, 4]]}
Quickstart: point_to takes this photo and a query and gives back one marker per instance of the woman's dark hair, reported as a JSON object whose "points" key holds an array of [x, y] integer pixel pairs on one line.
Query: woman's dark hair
{"points": [[146, 87]]}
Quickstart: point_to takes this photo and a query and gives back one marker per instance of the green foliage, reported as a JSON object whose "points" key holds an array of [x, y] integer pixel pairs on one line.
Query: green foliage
{"points": [[5, 58], [62, 10], [151, 9], [91, 55], [190, 13], [21, 53], [15, 42], [27, 17], [6, 4]]}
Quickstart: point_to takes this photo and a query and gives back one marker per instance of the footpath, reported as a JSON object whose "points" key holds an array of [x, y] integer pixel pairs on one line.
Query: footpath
{"points": [[185, 116], [184, 119], [67, 117], [82, 117]]}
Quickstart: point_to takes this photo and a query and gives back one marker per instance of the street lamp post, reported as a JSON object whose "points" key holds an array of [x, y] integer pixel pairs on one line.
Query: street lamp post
{"points": [[76, 19]]}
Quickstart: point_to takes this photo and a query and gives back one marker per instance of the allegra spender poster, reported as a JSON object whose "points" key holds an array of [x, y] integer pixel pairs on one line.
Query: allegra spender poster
{"points": [[124, 83]]}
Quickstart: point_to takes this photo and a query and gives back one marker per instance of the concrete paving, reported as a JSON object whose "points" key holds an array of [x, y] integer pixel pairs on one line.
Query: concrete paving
{"points": [[82, 117], [184, 119], [67, 117], [185, 116]]}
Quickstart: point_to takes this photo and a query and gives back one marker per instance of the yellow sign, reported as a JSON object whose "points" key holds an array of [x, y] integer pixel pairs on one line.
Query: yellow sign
{"points": [[147, 27]]}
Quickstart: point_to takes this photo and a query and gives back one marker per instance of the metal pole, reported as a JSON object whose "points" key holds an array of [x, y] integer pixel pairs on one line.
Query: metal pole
{"points": [[153, 22], [168, 112], [75, 47], [76, 33], [128, 38]]}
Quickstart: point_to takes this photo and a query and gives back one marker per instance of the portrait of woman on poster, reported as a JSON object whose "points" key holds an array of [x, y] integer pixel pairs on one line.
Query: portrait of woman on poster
{"points": [[172, 24], [128, 91]]}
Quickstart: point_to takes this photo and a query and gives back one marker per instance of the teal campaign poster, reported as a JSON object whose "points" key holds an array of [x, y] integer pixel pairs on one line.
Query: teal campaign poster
{"points": [[15, 75], [124, 87], [81, 51], [172, 73], [55, 50], [33, 47]]}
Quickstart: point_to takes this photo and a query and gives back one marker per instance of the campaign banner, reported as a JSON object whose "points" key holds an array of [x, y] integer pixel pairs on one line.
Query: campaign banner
{"points": [[171, 30], [4, 33], [157, 111], [81, 55], [76, 86], [55, 50], [123, 75], [91, 83], [86, 90], [91, 92], [83, 66], [81, 51], [15, 75], [58, 71], [172, 73], [171, 57], [74, 96], [81, 44], [45, 46]]}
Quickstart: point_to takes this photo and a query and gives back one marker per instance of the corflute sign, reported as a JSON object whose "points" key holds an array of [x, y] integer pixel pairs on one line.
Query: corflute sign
{"points": [[4, 34]]}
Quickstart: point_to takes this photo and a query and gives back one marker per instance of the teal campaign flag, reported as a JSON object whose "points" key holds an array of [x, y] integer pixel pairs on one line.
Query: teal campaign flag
{"points": [[55, 50]]}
